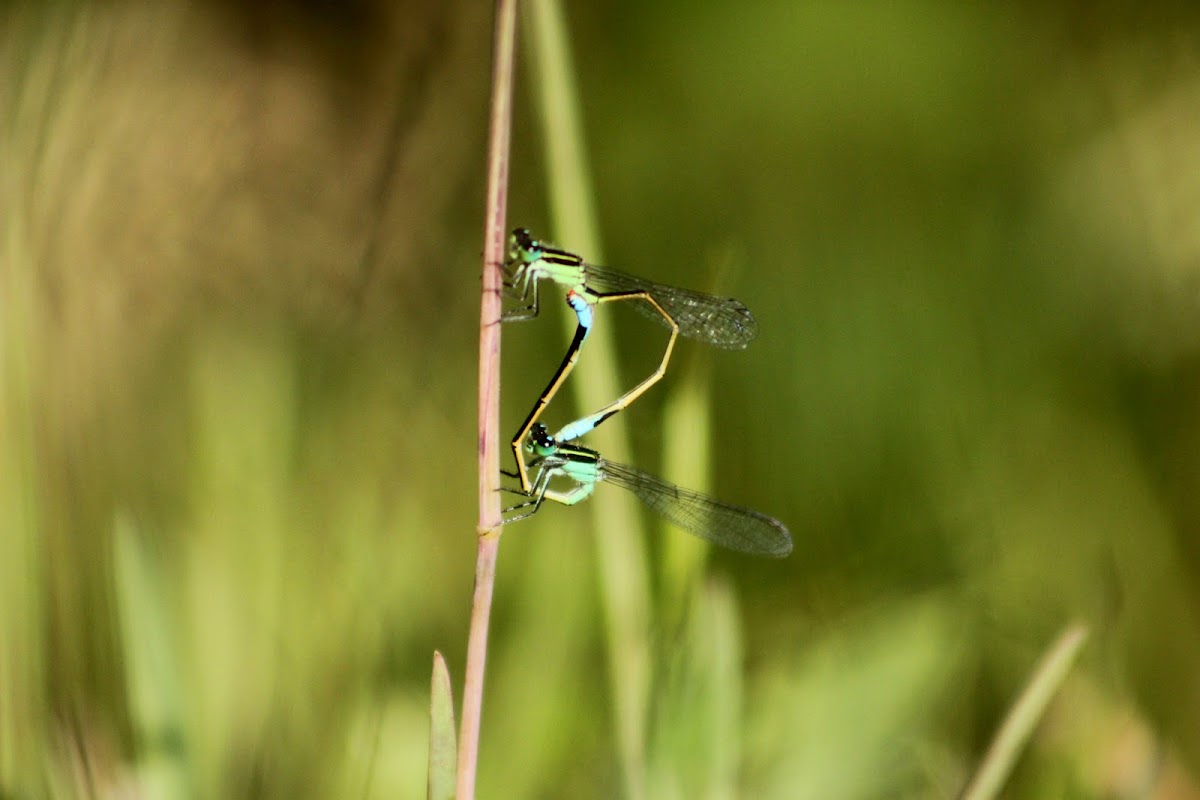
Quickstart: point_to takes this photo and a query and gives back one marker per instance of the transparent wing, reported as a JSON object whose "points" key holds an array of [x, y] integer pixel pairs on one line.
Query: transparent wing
{"points": [[723, 524], [719, 321]]}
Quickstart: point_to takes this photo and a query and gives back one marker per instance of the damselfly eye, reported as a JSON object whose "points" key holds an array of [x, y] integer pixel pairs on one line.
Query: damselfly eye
{"points": [[540, 440], [525, 246]]}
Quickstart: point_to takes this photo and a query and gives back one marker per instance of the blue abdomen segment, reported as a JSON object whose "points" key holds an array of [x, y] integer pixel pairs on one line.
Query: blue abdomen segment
{"points": [[584, 311]]}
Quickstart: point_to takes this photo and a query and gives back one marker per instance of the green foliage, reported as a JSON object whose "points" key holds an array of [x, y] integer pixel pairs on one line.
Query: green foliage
{"points": [[238, 296]]}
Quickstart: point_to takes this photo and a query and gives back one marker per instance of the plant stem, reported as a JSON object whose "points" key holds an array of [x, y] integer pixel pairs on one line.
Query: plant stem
{"points": [[488, 530]]}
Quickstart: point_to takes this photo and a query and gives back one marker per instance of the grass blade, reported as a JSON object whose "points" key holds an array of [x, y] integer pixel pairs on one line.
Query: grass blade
{"points": [[1023, 717], [443, 748]]}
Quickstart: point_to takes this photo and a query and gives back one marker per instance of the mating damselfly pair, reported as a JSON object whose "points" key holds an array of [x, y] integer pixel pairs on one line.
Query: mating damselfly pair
{"points": [[719, 321]]}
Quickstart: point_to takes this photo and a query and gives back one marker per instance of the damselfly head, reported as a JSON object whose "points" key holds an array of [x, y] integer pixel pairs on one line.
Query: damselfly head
{"points": [[516, 246], [540, 441], [525, 247]]}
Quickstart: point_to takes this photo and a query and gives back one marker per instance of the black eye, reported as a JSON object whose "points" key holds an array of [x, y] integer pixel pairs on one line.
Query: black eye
{"points": [[540, 436]]}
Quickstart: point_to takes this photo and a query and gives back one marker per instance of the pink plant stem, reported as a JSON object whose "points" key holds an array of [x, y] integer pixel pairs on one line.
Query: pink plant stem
{"points": [[489, 394]]}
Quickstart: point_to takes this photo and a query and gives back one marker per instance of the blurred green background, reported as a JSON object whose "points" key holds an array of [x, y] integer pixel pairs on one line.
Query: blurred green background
{"points": [[238, 329]]}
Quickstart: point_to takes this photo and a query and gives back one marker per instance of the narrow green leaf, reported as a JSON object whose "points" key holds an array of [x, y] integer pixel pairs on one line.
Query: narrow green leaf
{"points": [[687, 461], [1025, 714], [623, 567], [443, 748], [151, 663], [696, 747]]}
